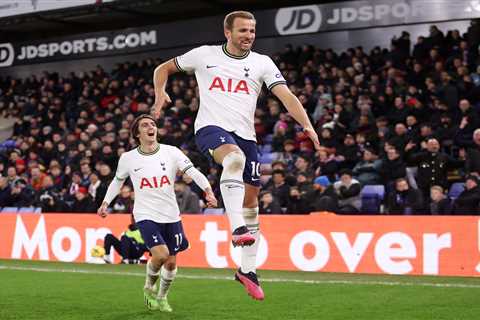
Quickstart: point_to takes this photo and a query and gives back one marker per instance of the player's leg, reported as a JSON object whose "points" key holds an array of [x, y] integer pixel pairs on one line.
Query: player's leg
{"points": [[152, 234], [176, 241], [167, 275], [251, 176], [221, 146], [233, 191]]}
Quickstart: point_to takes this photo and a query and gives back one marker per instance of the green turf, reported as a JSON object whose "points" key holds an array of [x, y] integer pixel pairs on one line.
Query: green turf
{"points": [[114, 292]]}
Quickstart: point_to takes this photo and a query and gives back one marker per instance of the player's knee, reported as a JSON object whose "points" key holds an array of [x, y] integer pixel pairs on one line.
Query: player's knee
{"points": [[234, 162], [170, 265], [160, 256]]}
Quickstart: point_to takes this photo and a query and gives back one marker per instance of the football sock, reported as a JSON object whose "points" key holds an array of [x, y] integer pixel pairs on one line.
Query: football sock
{"points": [[152, 275], [232, 188], [166, 279], [249, 254]]}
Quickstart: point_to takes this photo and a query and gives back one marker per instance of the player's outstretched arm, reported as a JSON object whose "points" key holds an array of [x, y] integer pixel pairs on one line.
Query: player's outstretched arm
{"points": [[112, 191], [203, 183], [160, 77], [296, 110]]}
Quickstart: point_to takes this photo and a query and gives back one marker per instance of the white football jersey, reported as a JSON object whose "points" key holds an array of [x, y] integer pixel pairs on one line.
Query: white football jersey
{"points": [[229, 86], [153, 176]]}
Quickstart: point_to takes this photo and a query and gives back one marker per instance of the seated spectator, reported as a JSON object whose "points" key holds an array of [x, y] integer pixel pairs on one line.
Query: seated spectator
{"points": [[22, 195], [49, 197], [348, 192], [278, 187], [323, 197], [268, 204], [83, 203], [472, 164], [297, 203], [188, 201], [439, 203], [468, 201], [5, 192], [350, 152], [367, 171], [123, 203], [288, 156], [404, 199], [326, 165]]}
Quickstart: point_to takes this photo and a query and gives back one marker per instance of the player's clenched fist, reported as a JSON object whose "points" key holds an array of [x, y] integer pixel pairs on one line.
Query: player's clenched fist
{"points": [[210, 197], [161, 99], [102, 211]]}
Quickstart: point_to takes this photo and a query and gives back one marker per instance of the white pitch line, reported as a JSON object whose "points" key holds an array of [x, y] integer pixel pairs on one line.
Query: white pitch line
{"points": [[208, 277]]}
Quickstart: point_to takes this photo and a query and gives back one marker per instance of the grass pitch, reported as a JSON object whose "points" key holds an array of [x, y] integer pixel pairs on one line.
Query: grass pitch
{"points": [[48, 290]]}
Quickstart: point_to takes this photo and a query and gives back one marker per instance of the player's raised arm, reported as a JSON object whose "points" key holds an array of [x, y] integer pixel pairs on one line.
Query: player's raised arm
{"points": [[114, 187], [160, 77], [296, 110]]}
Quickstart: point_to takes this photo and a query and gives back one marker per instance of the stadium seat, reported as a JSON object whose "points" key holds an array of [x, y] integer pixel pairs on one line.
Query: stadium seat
{"points": [[372, 197], [29, 210], [266, 158], [266, 148], [455, 190], [268, 139], [9, 210], [215, 211]]}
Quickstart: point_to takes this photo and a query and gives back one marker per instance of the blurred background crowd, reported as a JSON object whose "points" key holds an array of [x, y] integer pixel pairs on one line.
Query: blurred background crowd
{"points": [[397, 125]]}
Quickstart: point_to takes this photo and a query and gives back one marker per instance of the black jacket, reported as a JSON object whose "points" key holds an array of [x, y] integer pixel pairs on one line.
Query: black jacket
{"points": [[468, 202], [410, 202]]}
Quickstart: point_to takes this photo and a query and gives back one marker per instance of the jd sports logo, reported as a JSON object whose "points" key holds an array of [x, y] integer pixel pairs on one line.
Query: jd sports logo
{"points": [[7, 54], [293, 20]]}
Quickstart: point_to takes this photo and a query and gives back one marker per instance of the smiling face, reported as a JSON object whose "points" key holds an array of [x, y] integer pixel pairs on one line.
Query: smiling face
{"points": [[241, 35], [147, 131]]}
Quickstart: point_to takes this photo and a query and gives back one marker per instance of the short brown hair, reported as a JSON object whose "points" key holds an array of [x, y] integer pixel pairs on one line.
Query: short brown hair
{"points": [[230, 18], [136, 124]]}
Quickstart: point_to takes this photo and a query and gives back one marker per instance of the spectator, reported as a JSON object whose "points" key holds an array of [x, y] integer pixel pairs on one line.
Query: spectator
{"points": [[392, 167], [297, 202], [348, 193], [5, 192], [433, 166], [49, 198], [367, 171], [403, 199], [472, 164], [468, 201], [439, 203], [123, 203], [22, 195], [83, 203], [188, 201], [323, 196], [278, 188], [268, 204]]}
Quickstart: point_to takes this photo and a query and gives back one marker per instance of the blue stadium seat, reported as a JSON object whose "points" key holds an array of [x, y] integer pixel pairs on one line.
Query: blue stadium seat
{"points": [[29, 210], [268, 139], [215, 211], [266, 148], [266, 158], [9, 210], [372, 197], [455, 190]]}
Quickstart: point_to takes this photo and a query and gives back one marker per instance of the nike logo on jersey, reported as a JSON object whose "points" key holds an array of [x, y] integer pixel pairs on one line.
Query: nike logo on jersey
{"points": [[135, 170], [255, 179], [208, 67]]}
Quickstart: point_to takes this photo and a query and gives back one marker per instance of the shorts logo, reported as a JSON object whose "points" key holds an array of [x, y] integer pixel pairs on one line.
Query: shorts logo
{"points": [[222, 139], [7, 54], [155, 238]]}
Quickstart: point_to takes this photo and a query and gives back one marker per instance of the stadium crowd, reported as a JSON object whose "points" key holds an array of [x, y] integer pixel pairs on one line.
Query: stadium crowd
{"points": [[405, 117]]}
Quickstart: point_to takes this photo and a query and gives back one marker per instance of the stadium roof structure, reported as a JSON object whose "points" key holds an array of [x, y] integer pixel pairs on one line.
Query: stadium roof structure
{"points": [[120, 14]]}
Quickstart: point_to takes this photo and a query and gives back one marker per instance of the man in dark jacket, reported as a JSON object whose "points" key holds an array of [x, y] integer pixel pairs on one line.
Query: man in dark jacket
{"points": [[472, 164], [468, 201], [433, 167], [5, 191], [188, 201], [404, 199], [83, 203]]}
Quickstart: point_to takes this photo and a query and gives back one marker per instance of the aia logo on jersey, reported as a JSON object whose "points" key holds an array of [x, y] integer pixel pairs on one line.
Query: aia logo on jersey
{"points": [[154, 182], [229, 85]]}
